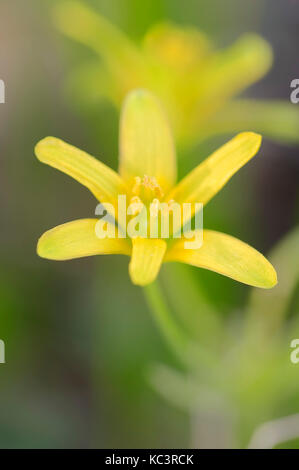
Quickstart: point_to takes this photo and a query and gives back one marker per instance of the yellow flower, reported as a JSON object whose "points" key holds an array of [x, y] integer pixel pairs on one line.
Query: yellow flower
{"points": [[196, 83], [147, 173]]}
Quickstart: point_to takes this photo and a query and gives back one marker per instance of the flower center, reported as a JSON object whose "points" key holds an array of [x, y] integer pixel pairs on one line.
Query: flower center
{"points": [[146, 192], [147, 189], [147, 202]]}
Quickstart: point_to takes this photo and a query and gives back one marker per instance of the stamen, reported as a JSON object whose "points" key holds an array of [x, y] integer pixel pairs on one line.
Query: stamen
{"points": [[154, 208], [147, 187], [146, 190], [136, 205], [137, 186]]}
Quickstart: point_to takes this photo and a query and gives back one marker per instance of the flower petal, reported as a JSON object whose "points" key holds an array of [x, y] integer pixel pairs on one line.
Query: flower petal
{"points": [[104, 183], [232, 70], [146, 143], [276, 119], [85, 25], [147, 257], [77, 239], [229, 256], [202, 183]]}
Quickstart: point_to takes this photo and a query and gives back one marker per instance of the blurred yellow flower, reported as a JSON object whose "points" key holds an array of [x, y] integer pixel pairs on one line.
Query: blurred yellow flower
{"points": [[196, 83], [147, 172]]}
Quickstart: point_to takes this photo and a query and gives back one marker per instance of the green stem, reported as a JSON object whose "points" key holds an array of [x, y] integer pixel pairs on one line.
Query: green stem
{"points": [[184, 348], [165, 319]]}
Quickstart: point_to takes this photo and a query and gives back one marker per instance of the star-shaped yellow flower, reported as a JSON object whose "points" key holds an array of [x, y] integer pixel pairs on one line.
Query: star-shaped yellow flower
{"points": [[147, 172]]}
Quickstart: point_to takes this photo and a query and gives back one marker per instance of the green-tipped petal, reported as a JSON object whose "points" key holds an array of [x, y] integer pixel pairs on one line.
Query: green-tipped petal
{"points": [[228, 256], [146, 143], [78, 239]]}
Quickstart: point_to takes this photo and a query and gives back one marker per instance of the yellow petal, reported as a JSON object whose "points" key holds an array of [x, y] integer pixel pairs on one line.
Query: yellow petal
{"points": [[85, 25], [202, 183], [147, 257], [77, 239], [276, 119], [228, 256], [146, 143], [234, 69], [104, 183]]}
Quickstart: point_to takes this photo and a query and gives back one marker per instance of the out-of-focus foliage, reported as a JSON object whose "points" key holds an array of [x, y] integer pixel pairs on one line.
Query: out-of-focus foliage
{"points": [[196, 81], [249, 377]]}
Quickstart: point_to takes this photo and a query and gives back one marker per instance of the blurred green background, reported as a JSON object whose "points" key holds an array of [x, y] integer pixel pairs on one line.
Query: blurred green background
{"points": [[80, 340]]}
